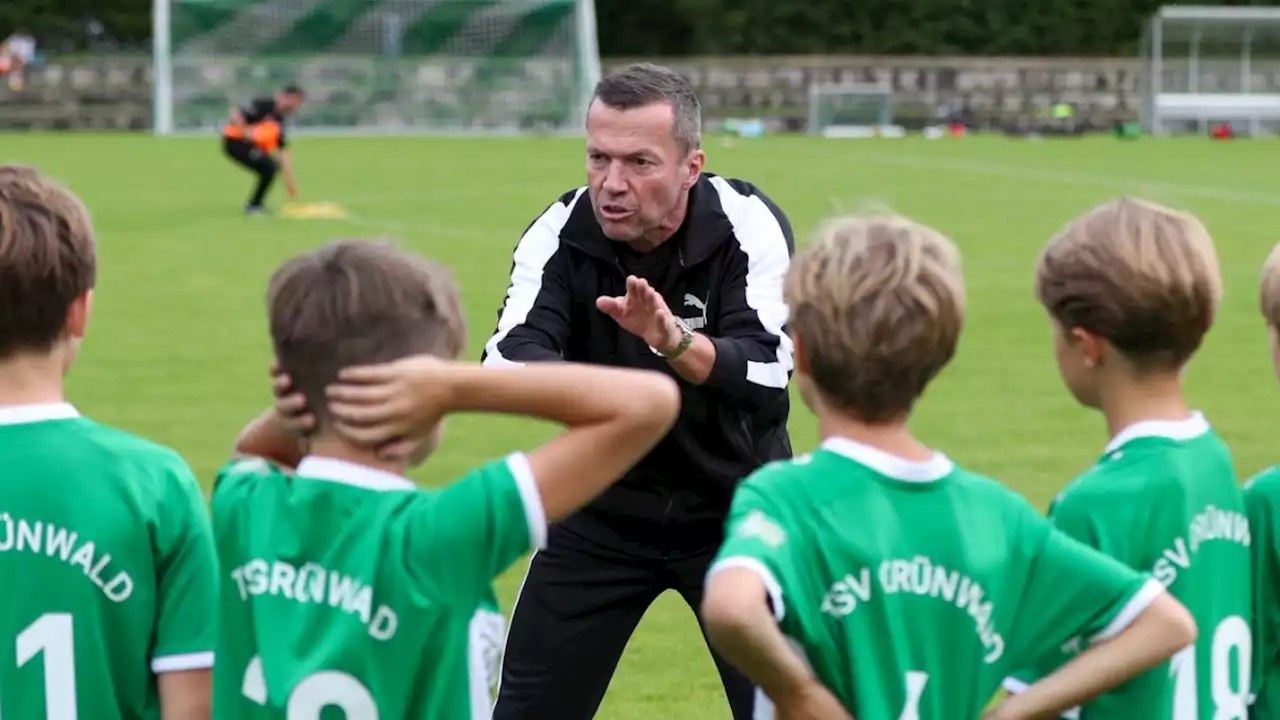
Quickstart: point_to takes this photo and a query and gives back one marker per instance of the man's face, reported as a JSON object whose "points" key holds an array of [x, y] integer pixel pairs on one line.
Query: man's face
{"points": [[636, 172], [287, 103]]}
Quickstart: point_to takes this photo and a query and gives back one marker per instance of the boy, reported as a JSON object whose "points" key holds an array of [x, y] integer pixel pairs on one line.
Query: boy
{"points": [[1131, 288], [910, 586], [1262, 501], [105, 544], [345, 586]]}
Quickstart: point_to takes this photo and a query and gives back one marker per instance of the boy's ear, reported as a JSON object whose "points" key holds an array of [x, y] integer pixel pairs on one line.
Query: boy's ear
{"points": [[1092, 347], [78, 315]]}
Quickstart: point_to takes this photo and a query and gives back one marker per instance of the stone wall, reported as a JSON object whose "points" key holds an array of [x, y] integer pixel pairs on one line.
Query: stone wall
{"points": [[115, 93]]}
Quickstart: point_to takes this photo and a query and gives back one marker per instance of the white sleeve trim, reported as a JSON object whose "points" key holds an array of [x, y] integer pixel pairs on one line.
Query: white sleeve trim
{"points": [[761, 237], [535, 514], [1151, 590], [185, 661], [1014, 686], [532, 254], [770, 582]]}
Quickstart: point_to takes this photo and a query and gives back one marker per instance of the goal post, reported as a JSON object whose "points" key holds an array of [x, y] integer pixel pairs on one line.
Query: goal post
{"points": [[851, 110], [378, 66], [1207, 65]]}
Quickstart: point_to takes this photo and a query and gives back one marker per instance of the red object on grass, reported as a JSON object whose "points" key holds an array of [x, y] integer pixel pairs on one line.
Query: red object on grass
{"points": [[1221, 131], [957, 129]]}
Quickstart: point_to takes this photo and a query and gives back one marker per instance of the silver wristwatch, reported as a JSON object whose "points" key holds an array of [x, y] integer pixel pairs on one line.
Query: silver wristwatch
{"points": [[686, 339]]}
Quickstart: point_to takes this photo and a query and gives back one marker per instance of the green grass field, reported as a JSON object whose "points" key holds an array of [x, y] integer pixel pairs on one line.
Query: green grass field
{"points": [[178, 348]]}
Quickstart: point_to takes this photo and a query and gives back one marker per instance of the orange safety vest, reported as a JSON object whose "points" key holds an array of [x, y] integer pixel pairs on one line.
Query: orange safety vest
{"points": [[265, 135]]}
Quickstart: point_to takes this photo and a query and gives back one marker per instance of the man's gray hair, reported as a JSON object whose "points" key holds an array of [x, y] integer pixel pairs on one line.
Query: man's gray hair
{"points": [[643, 84]]}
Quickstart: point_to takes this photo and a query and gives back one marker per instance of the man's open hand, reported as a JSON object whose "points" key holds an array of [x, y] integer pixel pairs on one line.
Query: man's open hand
{"points": [[643, 313]]}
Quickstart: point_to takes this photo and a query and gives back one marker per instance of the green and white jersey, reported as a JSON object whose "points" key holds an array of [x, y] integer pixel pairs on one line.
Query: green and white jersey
{"points": [[1163, 499], [348, 588], [913, 588], [108, 564], [1262, 501]]}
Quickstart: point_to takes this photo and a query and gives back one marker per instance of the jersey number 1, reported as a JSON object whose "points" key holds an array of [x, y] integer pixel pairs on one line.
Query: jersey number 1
{"points": [[317, 691], [916, 681], [1231, 635], [51, 636]]}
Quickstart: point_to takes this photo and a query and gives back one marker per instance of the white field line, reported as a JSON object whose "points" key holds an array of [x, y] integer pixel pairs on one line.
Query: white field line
{"points": [[1154, 187]]}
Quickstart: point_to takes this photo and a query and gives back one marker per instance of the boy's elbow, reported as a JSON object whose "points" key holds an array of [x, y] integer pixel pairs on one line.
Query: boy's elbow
{"points": [[656, 405], [1180, 629]]}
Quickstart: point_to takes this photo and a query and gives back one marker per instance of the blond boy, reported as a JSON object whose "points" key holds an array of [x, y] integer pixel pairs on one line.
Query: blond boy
{"points": [[1131, 289], [105, 549], [909, 586], [1262, 500]]}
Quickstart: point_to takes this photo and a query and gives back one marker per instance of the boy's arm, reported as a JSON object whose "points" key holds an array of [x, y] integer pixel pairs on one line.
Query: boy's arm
{"points": [[185, 695], [477, 527], [740, 625], [743, 604], [1161, 629], [614, 416], [1075, 591], [187, 600], [269, 437]]}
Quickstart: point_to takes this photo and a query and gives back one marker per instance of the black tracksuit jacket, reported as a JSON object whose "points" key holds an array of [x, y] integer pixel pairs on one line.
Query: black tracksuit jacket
{"points": [[722, 272]]}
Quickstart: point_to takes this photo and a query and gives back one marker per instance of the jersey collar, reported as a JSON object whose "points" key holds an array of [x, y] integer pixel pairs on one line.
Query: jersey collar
{"points": [[315, 467], [1192, 427], [892, 466], [26, 414]]}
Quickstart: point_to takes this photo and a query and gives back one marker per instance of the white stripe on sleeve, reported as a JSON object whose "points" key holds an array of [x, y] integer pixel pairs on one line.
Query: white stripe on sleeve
{"points": [[1139, 602], [761, 237], [770, 582], [185, 661], [532, 254], [534, 512]]}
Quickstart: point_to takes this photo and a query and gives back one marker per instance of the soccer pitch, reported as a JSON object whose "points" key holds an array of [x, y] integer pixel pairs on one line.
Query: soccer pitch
{"points": [[178, 350]]}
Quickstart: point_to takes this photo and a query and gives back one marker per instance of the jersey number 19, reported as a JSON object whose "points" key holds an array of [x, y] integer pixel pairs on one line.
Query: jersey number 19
{"points": [[1229, 703], [317, 691]]}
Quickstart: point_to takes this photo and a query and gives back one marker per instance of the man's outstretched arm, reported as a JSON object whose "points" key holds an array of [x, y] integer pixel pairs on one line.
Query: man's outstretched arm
{"points": [[533, 324]]}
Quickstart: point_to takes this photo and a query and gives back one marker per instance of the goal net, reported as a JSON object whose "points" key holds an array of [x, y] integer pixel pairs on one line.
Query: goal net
{"points": [[851, 110], [379, 66], [1209, 65]]}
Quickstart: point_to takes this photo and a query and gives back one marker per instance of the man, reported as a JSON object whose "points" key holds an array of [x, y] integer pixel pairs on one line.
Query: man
{"points": [[910, 585], [344, 584], [1131, 288], [255, 139], [654, 264], [105, 544]]}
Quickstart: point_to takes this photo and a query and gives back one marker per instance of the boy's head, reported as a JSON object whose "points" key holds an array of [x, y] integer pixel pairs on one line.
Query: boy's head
{"points": [[358, 303], [1269, 299], [1131, 286], [47, 266], [877, 305]]}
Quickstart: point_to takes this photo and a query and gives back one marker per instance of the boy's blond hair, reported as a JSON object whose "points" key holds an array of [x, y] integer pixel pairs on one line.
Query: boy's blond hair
{"points": [[877, 304], [1143, 276], [1269, 295], [47, 258]]}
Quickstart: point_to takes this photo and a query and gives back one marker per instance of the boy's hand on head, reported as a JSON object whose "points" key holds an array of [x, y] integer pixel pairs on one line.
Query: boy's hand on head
{"points": [[290, 406], [393, 406]]}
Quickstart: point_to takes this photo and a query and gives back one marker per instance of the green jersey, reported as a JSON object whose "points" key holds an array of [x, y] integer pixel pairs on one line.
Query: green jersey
{"points": [[107, 552], [348, 588], [1262, 499], [913, 588], [1163, 498]]}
